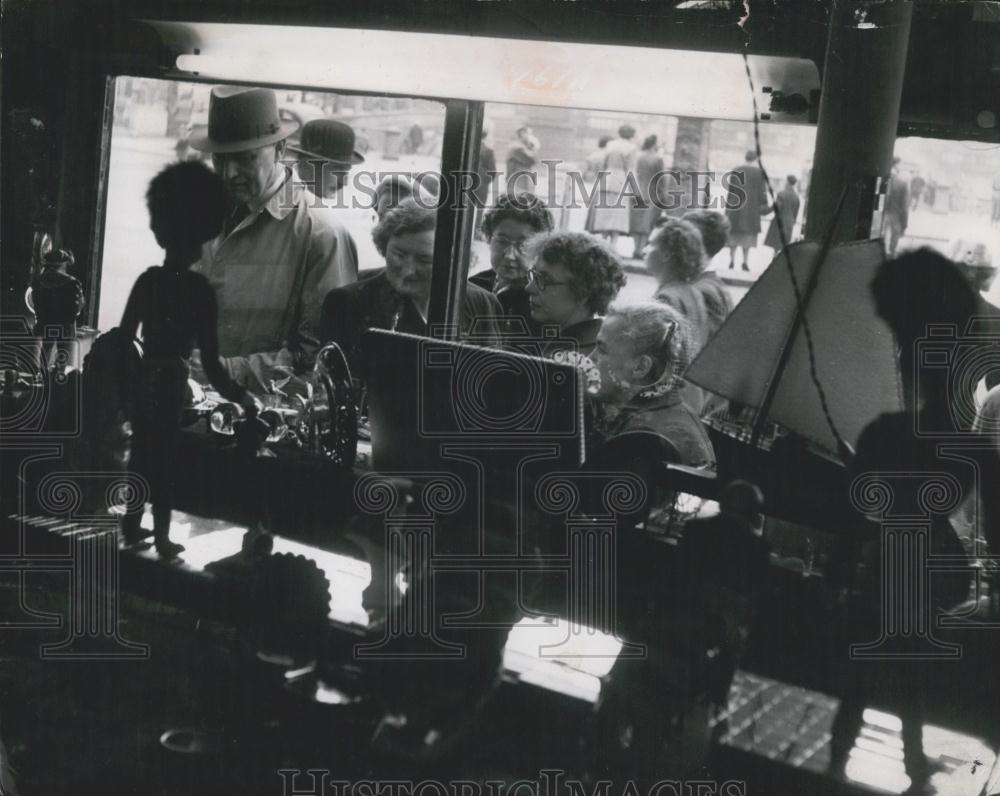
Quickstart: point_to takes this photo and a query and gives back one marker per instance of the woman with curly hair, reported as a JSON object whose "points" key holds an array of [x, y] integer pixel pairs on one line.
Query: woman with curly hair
{"points": [[676, 258], [397, 297], [574, 279]]}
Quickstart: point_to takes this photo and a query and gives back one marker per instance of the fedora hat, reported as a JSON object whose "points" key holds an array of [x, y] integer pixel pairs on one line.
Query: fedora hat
{"points": [[240, 119], [328, 139]]}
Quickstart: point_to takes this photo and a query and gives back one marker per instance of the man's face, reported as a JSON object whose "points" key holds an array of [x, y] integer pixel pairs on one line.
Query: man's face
{"points": [[507, 249], [325, 178], [615, 359], [409, 259], [334, 178], [246, 174]]}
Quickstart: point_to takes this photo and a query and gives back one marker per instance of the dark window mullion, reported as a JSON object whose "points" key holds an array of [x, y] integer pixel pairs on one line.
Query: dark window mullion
{"points": [[452, 246]]}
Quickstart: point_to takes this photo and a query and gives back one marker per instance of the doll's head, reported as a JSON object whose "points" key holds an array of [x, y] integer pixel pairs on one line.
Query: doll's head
{"points": [[188, 205]]}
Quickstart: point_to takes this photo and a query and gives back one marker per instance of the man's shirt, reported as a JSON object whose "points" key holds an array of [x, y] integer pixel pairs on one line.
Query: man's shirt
{"points": [[270, 275]]}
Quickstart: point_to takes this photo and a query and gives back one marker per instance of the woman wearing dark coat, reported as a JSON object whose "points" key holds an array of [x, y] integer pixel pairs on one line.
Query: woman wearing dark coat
{"points": [[397, 297], [746, 202], [507, 227], [644, 210], [786, 210]]}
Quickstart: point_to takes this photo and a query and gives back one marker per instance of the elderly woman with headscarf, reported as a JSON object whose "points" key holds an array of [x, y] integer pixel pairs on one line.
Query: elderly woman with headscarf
{"points": [[641, 354], [573, 279]]}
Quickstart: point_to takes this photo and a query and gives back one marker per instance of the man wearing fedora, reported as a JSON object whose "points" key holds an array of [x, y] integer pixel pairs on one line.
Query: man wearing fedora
{"points": [[326, 154], [277, 257]]}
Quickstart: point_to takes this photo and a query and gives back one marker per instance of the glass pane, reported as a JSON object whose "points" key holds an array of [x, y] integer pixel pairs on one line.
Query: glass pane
{"points": [[568, 149], [946, 195], [153, 120]]}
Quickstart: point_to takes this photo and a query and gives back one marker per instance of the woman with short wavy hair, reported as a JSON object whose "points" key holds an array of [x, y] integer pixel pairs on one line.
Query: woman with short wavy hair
{"points": [[398, 296], [676, 257], [507, 227], [574, 278]]}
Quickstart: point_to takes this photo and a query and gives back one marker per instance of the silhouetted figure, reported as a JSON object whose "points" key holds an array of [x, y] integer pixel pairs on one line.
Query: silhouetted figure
{"points": [[916, 188], [57, 298], [522, 162], [911, 292], [786, 211], [177, 311]]}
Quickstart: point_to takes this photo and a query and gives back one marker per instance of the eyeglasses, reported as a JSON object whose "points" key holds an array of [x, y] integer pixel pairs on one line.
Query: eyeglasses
{"points": [[504, 243], [542, 280]]}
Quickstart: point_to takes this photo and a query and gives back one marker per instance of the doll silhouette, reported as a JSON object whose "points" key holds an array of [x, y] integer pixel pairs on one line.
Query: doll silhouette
{"points": [[177, 311]]}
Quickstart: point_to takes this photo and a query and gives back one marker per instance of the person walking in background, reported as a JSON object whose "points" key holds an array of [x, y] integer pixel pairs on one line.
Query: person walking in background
{"points": [[786, 210], [746, 202], [897, 210], [522, 158], [644, 213], [595, 160], [916, 188], [611, 216], [995, 215], [487, 174], [592, 168]]}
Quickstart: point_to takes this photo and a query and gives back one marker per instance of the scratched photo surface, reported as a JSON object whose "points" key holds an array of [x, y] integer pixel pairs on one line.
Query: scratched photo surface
{"points": [[489, 399]]}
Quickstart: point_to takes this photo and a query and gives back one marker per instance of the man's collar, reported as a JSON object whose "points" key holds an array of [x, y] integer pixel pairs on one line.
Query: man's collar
{"points": [[282, 194]]}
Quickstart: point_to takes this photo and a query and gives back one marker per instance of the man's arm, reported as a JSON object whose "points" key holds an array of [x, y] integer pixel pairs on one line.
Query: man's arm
{"points": [[331, 262], [208, 345], [341, 323]]}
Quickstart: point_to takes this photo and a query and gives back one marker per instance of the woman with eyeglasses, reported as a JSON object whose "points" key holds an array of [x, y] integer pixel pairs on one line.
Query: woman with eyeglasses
{"points": [[641, 352], [574, 278], [507, 227]]}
